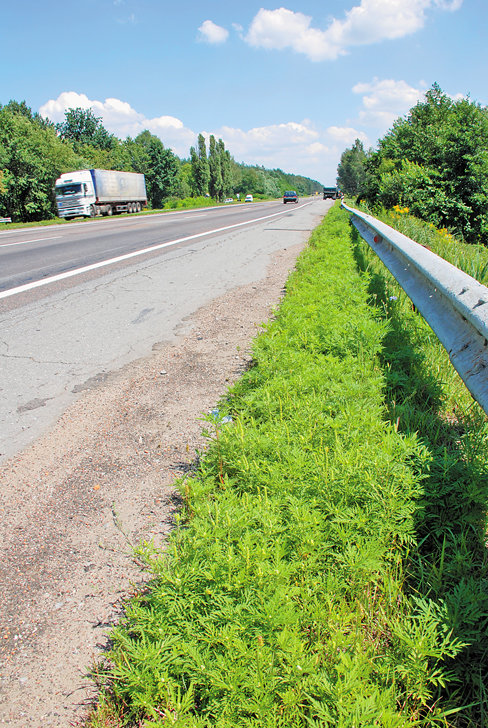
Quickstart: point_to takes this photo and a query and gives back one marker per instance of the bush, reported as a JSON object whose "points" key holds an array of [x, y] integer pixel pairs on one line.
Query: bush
{"points": [[177, 204]]}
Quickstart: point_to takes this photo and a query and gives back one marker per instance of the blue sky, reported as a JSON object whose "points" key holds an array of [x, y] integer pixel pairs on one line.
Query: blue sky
{"points": [[287, 86]]}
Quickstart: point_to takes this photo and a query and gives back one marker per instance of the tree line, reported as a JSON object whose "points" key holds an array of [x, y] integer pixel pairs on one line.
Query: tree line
{"points": [[34, 152], [433, 161]]}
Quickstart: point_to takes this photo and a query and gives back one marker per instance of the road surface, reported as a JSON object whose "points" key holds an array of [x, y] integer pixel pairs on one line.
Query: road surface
{"points": [[35, 254], [78, 301]]}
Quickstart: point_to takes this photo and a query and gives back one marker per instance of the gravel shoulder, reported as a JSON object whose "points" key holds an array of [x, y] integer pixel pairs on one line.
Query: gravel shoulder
{"points": [[75, 502]]}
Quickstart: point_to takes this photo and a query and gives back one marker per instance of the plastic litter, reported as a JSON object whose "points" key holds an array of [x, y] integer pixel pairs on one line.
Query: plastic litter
{"points": [[224, 421]]}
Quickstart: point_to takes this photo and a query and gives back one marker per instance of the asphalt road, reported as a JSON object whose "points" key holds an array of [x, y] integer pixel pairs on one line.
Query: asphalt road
{"points": [[93, 298], [33, 254]]}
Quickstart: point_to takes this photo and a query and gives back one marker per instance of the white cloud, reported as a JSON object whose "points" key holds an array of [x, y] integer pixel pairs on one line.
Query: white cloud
{"points": [[265, 142], [384, 101], [297, 147], [211, 33], [317, 148], [346, 134], [283, 28], [121, 119], [370, 22]]}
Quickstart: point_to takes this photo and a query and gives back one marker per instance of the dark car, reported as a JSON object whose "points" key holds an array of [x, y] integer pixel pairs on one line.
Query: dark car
{"points": [[290, 197]]}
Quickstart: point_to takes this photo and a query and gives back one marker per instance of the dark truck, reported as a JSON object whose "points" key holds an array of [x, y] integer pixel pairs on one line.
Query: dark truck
{"points": [[331, 193], [290, 197]]}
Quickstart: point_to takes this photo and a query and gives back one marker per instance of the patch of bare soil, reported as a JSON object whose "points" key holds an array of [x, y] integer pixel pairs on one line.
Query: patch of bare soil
{"points": [[73, 505]]}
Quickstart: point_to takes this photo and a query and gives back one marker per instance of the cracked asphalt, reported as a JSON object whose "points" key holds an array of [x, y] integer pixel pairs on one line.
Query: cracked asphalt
{"points": [[55, 341], [108, 377]]}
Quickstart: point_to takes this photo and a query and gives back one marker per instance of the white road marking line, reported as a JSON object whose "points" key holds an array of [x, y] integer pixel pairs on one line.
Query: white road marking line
{"points": [[127, 256], [26, 242], [139, 217], [182, 219]]}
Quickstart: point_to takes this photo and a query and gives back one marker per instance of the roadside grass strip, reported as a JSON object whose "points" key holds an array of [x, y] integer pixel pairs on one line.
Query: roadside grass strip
{"points": [[424, 394], [292, 592]]}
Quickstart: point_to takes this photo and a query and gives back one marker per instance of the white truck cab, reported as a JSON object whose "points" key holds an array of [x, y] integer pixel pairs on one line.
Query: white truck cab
{"points": [[75, 194]]}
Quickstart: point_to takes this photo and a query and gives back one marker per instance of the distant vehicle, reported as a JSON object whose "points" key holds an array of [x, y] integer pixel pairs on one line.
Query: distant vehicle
{"points": [[331, 193], [229, 199], [91, 192], [290, 196], [249, 198]]}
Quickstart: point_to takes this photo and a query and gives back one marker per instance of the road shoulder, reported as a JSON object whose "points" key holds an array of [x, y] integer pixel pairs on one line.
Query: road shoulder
{"points": [[75, 502]]}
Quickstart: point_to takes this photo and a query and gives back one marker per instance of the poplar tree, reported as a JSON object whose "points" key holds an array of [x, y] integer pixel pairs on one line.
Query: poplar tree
{"points": [[193, 174], [225, 169], [200, 173], [216, 186], [351, 172]]}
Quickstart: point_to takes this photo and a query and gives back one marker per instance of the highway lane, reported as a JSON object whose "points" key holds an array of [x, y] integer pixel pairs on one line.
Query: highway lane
{"points": [[34, 254]]}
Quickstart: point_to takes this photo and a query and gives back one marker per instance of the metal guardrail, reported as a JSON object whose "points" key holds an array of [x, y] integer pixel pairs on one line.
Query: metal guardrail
{"points": [[454, 304]]}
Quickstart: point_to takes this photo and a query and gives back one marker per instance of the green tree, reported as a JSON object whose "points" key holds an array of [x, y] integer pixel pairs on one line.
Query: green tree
{"points": [[200, 175], [435, 162], [351, 172], [252, 181], [81, 126], [159, 165], [32, 157], [216, 185], [271, 187], [193, 178], [225, 169], [184, 188]]}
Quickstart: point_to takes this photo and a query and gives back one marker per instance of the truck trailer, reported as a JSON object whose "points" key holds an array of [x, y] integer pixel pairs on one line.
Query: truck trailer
{"points": [[92, 192], [331, 193]]}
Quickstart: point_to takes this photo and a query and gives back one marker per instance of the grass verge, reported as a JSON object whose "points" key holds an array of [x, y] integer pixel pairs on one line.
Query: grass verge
{"points": [[295, 591], [472, 259], [425, 395]]}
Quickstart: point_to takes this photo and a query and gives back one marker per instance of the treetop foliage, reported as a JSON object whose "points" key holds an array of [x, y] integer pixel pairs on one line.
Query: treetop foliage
{"points": [[351, 172], [81, 126], [32, 156], [435, 162]]}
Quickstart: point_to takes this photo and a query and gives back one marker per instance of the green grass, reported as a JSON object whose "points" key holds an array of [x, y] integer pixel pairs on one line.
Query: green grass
{"points": [[327, 566], [425, 395]]}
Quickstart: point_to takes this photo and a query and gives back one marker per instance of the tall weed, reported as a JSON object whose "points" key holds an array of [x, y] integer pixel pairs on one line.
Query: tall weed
{"points": [[424, 395]]}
